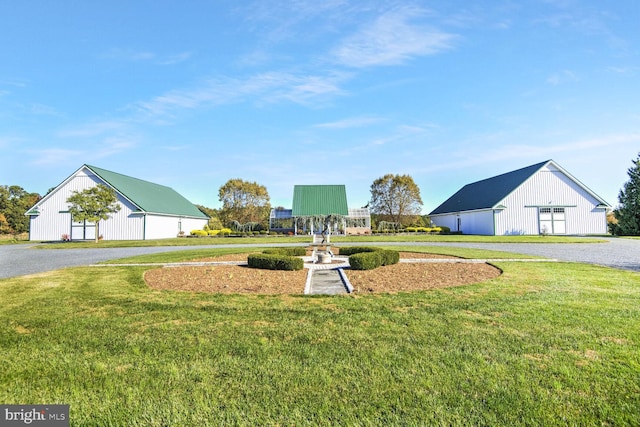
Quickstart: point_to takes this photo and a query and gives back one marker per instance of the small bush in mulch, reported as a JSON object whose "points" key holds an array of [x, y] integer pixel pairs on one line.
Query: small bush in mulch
{"points": [[275, 262], [369, 259], [350, 250]]}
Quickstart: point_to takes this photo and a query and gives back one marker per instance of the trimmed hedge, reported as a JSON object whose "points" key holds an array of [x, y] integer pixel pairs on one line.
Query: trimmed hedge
{"points": [[365, 260], [390, 257], [371, 258], [356, 250], [275, 262], [297, 251]]}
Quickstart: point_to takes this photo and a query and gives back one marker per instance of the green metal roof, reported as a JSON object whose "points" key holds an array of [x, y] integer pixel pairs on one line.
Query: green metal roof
{"points": [[149, 197], [487, 193], [312, 200]]}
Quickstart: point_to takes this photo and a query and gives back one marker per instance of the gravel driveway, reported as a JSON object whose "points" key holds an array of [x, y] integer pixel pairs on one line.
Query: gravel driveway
{"points": [[18, 260]]}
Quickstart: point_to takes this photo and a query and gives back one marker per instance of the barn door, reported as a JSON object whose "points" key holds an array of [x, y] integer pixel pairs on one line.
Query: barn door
{"points": [[552, 221], [83, 230]]}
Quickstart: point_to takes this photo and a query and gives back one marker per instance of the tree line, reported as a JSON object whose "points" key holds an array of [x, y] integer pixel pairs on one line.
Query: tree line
{"points": [[394, 198]]}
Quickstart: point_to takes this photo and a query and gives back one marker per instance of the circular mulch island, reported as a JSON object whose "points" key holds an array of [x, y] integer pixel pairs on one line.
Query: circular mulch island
{"points": [[234, 279]]}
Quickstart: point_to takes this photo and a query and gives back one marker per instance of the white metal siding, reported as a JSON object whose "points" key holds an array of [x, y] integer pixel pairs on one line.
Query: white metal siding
{"points": [[478, 222], [163, 227], [53, 221], [51, 224], [445, 220], [126, 224], [550, 187], [475, 222]]}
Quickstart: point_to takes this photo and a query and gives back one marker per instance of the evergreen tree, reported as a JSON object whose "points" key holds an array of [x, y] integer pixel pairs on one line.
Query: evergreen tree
{"points": [[628, 212]]}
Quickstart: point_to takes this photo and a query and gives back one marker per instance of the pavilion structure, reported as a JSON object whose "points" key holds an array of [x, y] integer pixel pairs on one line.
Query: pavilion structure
{"points": [[321, 209]]}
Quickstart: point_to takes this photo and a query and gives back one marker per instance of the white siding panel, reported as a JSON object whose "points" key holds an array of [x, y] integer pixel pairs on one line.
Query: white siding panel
{"points": [[446, 220], [51, 224], [127, 224], [164, 227], [476, 222], [550, 187], [53, 220]]}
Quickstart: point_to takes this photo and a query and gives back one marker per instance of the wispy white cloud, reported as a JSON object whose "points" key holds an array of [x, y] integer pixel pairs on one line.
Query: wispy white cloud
{"points": [[53, 156], [174, 59], [624, 70], [93, 129], [508, 152], [121, 54], [564, 76], [131, 55], [113, 145], [44, 110], [586, 20], [403, 133], [176, 147], [269, 87], [392, 39], [13, 83], [283, 20], [105, 147], [354, 122], [7, 141]]}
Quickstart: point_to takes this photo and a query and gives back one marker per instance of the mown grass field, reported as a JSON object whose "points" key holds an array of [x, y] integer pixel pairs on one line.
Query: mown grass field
{"points": [[544, 344], [267, 240]]}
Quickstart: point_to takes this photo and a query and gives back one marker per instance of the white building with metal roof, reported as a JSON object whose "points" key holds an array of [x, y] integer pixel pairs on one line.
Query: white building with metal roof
{"points": [[148, 210], [538, 199]]}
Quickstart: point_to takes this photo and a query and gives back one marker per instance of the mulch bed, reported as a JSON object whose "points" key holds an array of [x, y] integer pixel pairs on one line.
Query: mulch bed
{"points": [[403, 277]]}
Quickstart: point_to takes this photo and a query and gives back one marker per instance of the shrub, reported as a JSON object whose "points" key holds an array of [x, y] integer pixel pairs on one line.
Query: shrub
{"points": [[368, 260], [296, 251], [389, 257], [275, 262], [365, 260], [213, 232], [356, 250], [199, 233], [444, 229]]}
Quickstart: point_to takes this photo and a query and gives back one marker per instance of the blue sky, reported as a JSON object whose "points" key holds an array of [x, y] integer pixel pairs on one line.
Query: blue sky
{"points": [[190, 94]]}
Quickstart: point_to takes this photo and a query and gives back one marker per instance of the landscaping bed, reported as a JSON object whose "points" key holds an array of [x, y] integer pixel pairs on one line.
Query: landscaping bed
{"points": [[403, 277]]}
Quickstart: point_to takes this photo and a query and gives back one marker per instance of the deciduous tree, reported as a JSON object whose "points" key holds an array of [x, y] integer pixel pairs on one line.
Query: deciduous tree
{"points": [[396, 198], [244, 202], [628, 211], [93, 204], [14, 202]]}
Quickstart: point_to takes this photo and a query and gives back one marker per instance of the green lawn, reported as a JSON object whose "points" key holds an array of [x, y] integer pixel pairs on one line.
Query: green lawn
{"points": [[267, 240], [544, 344]]}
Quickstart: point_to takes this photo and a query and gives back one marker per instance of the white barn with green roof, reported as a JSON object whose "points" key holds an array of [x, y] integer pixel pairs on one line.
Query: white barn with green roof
{"points": [[148, 210], [538, 199]]}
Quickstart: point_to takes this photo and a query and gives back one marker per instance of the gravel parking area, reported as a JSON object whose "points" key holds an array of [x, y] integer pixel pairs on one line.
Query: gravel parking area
{"points": [[18, 260], [617, 253]]}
